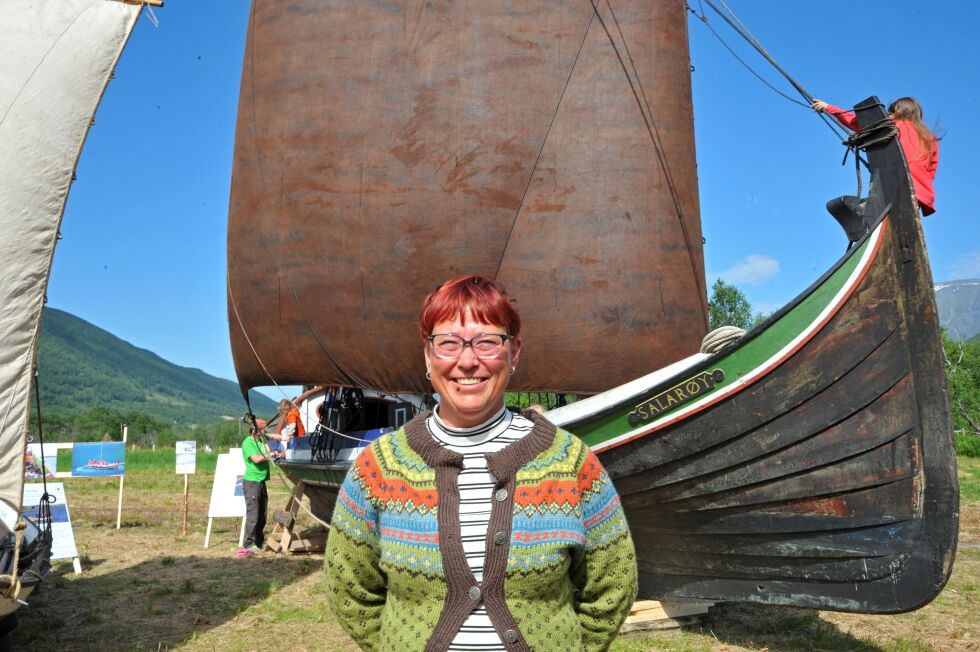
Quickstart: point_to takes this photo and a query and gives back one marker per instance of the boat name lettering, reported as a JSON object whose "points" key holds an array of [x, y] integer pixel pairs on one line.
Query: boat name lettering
{"points": [[679, 394]]}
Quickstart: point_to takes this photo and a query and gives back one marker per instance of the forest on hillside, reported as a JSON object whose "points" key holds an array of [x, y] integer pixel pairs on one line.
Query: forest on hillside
{"points": [[81, 366]]}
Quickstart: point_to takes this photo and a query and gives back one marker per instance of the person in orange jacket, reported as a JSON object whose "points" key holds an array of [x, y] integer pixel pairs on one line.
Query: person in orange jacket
{"points": [[920, 145], [290, 423]]}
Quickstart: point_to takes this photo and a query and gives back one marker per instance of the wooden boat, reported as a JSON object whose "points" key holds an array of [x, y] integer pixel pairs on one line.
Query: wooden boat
{"points": [[809, 464], [56, 58]]}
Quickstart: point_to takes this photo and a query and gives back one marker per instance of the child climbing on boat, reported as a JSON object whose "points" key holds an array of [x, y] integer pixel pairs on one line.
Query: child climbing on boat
{"points": [[920, 145], [290, 423]]}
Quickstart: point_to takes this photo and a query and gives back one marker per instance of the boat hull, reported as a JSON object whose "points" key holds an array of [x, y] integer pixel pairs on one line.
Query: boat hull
{"points": [[811, 463], [815, 465]]}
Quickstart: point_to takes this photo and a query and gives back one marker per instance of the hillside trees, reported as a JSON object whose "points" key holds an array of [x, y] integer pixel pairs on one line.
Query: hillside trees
{"points": [[963, 378], [105, 424]]}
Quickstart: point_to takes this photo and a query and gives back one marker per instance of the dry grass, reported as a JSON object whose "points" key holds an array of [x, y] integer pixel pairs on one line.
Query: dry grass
{"points": [[144, 587]]}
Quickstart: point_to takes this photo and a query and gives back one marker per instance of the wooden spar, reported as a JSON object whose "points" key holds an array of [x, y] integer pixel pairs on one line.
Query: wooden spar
{"points": [[152, 3]]}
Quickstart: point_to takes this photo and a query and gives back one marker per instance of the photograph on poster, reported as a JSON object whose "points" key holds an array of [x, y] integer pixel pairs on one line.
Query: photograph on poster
{"points": [[38, 455], [62, 536], [34, 467], [98, 458]]}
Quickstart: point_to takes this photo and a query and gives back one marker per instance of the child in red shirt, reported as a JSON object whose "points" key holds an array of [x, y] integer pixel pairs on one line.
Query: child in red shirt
{"points": [[918, 143]]}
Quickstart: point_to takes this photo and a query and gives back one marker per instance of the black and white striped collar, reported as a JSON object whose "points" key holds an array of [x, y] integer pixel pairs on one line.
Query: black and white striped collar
{"points": [[486, 431]]}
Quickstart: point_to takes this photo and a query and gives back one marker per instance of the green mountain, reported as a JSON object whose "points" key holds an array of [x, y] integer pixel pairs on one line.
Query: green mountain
{"points": [[81, 366]]}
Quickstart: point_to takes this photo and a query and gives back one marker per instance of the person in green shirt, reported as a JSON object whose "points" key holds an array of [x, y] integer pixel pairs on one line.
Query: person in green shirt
{"points": [[256, 451]]}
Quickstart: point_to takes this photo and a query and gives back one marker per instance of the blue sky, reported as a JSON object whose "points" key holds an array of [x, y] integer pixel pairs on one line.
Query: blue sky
{"points": [[143, 254]]}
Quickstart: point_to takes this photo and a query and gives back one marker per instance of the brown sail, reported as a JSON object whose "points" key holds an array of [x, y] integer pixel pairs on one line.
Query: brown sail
{"points": [[383, 147]]}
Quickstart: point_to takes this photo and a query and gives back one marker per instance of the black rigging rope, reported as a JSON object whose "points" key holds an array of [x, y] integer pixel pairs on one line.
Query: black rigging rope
{"points": [[44, 505], [658, 147], [875, 133], [736, 24]]}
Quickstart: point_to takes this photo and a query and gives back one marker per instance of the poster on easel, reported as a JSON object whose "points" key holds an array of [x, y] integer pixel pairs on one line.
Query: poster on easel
{"points": [[98, 458], [63, 537], [186, 457], [227, 492], [227, 495]]}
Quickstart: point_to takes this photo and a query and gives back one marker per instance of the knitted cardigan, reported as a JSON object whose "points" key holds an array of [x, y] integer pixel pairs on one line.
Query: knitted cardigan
{"points": [[560, 569]]}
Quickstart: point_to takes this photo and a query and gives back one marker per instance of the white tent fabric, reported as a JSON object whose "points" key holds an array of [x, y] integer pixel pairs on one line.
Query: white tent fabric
{"points": [[56, 57]]}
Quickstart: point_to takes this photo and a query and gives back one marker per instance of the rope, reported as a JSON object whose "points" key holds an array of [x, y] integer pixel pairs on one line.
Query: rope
{"points": [[151, 16], [14, 589], [874, 134], [248, 340], [654, 134], [743, 31], [704, 19], [40, 433], [721, 337], [282, 478]]}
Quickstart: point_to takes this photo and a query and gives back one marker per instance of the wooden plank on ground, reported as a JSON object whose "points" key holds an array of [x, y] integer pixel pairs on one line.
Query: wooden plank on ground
{"points": [[657, 614]]}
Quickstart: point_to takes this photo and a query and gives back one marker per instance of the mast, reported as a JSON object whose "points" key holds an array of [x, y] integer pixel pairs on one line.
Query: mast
{"points": [[383, 148]]}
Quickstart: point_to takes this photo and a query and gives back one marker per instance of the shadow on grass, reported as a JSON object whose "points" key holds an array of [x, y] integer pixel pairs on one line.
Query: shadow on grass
{"points": [[779, 629], [155, 604]]}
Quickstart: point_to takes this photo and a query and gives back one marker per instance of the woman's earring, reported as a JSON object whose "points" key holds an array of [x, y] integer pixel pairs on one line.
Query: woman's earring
{"points": [[513, 369], [428, 375]]}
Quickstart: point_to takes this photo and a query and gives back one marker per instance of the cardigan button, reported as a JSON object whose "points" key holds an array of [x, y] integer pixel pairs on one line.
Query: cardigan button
{"points": [[510, 636], [499, 538], [474, 593], [501, 495]]}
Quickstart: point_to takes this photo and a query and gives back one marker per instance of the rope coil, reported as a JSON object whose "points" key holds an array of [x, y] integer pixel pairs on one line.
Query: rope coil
{"points": [[876, 133]]}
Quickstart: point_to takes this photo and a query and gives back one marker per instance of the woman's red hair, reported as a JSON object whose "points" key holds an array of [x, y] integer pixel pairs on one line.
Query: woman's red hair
{"points": [[485, 300]]}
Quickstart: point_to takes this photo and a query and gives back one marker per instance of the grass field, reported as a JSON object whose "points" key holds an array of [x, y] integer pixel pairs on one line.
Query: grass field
{"points": [[144, 587]]}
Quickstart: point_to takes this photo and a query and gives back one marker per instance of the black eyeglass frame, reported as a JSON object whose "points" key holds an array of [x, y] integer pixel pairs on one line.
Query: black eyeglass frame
{"points": [[469, 342]]}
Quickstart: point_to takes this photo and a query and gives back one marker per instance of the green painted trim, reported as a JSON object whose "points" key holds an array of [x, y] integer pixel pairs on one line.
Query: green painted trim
{"points": [[742, 360]]}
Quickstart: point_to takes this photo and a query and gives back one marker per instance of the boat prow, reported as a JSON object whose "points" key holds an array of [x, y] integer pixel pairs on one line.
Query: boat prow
{"points": [[811, 463]]}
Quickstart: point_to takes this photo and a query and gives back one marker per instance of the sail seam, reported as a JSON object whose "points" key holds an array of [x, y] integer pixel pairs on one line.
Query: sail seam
{"points": [[41, 63], [547, 133]]}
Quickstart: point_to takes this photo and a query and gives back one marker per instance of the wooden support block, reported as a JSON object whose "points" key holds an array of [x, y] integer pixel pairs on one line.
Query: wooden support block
{"points": [[656, 614], [308, 542], [665, 623], [282, 533]]}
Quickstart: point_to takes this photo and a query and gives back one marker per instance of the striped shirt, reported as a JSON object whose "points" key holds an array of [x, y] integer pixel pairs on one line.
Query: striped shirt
{"points": [[475, 499]]}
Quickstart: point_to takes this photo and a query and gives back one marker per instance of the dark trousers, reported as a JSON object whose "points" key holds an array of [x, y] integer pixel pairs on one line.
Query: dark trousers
{"points": [[256, 504]]}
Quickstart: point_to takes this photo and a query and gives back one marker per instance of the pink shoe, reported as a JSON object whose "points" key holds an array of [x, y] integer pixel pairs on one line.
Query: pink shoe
{"points": [[244, 552]]}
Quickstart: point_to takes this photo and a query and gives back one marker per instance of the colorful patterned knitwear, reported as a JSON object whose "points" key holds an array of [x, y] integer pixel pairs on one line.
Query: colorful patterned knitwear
{"points": [[475, 505], [559, 567]]}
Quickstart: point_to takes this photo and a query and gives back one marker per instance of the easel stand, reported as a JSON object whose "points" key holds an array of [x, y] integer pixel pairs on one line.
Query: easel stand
{"points": [[655, 614], [241, 532], [283, 539], [183, 525], [122, 480]]}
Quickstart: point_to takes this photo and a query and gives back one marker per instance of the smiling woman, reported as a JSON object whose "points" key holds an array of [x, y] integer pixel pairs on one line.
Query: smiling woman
{"points": [[474, 528], [473, 345]]}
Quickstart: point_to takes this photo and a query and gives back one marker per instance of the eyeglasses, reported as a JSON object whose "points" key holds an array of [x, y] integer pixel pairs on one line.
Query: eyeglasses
{"points": [[485, 345]]}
